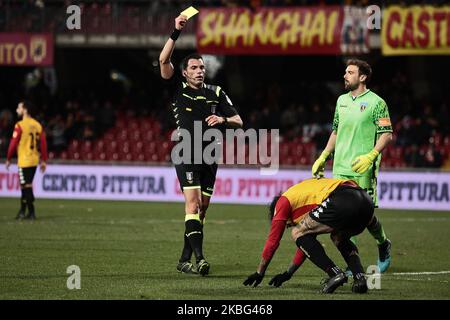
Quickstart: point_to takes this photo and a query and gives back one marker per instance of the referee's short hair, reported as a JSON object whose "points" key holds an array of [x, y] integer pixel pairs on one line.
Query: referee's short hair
{"points": [[189, 57], [363, 67], [31, 108]]}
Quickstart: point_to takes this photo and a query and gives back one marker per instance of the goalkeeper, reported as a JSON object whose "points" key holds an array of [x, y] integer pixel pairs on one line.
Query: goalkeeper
{"points": [[361, 130]]}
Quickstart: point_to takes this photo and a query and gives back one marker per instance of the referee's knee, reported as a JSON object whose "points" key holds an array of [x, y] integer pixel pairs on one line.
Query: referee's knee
{"points": [[193, 206]]}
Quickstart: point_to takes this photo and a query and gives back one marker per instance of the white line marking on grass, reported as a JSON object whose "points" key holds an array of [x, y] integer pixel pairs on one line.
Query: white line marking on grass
{"points": [[418, 273], [428, 279], [411, 219]]}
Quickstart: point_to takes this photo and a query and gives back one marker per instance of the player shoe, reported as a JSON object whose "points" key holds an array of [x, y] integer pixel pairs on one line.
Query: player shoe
{"points": [[359, 284], [186, 267], [20, 215], [333, 283], [384, 255], [203, 267]]}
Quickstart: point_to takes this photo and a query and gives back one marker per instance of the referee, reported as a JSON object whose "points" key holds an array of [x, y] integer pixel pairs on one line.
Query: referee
{"points": [[195, 103]]}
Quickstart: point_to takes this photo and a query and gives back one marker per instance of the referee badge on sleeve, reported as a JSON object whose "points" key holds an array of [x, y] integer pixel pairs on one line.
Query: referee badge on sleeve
{"points": [[190, 177]]}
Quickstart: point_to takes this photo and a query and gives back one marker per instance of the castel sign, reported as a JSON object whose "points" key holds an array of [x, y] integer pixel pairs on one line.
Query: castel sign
{"points": [[416, 30]]}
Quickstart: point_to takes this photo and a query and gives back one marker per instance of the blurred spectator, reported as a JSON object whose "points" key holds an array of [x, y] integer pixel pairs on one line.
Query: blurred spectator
{"points": [[431, 158], [56, 134], [105, 116]]}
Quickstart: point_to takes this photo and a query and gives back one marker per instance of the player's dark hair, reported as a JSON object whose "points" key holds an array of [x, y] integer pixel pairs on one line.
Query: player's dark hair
{"points": [[363, 68], [272, 206], [189, 57], [31, 108]]}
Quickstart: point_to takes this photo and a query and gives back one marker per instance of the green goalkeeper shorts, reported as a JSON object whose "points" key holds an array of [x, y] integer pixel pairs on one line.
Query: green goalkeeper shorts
{"points": [[366, 182]]}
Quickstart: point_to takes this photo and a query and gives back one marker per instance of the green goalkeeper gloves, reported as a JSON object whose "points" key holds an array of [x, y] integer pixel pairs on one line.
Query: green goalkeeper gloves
{"points": [[362, 163], [319, 165]]}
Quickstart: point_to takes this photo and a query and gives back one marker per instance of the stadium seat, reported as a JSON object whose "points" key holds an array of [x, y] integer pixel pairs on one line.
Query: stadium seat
{"points": [[98, 146], [74, 146], [86, 147]]}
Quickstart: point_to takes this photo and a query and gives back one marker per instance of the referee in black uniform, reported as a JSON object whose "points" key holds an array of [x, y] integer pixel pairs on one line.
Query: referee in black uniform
{"points": [[208, 105]]}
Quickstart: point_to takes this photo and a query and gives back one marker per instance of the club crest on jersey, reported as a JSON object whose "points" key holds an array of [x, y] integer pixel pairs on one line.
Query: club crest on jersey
{"points": [[190, 177], [363, 106]]}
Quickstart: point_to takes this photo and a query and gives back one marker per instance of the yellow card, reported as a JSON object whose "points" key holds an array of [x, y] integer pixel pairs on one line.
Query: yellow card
{"points": [[189, 12]]}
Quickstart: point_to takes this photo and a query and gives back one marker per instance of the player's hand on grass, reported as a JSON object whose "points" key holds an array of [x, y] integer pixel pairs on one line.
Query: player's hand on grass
{"points": [[180, 21], [254, 279], [319, 165], [278, 280], [362, 163]]}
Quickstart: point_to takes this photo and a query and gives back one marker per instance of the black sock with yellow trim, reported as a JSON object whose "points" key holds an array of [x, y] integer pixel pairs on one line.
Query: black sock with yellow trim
{"points": [[187, 250], [194, 233]]}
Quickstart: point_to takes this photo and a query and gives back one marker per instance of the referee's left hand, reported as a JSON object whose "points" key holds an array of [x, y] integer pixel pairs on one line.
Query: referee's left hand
{"points": [[214, 120]]}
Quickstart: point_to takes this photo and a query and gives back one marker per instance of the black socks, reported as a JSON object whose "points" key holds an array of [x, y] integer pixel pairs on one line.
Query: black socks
{"points": [[187, 250], [315, 252], [194, 234], [29, 199], [349, 252]]}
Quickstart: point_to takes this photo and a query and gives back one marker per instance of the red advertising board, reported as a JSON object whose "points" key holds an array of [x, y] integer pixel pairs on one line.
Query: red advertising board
{"points": [[26, 49], [289, 30], [416, 30]]}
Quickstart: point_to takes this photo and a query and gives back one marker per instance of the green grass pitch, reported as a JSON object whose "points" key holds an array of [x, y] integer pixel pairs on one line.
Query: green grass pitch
{"points": [[129, 250]]}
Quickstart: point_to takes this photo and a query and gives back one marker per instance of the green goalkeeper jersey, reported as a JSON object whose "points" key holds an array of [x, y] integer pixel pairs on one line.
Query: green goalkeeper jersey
{"points": [[357, 122]]}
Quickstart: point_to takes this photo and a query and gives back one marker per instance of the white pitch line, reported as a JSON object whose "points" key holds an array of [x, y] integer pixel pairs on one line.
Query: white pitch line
{"points": [[418, 273], [411, 219]]}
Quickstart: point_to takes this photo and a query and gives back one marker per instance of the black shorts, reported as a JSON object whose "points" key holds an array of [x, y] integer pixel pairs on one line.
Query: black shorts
{"points": [[197, 176], [347, 210], [26, 175]]}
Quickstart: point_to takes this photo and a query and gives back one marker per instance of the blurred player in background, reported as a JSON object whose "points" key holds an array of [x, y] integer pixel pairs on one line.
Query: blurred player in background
{"points": [[208, 104], [314, 207], [27, 136], [361, 130]]}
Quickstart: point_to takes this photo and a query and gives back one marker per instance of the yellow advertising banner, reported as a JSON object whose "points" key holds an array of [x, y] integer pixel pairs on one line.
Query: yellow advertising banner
{"points": [[416, 30]]}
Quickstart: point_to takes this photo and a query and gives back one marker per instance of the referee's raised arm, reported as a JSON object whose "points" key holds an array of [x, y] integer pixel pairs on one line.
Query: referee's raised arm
{"points": [[166, 66]]}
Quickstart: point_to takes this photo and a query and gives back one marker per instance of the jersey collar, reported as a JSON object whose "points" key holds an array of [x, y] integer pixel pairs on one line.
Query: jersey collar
{"points": [[185, 85], [362, 94]]}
